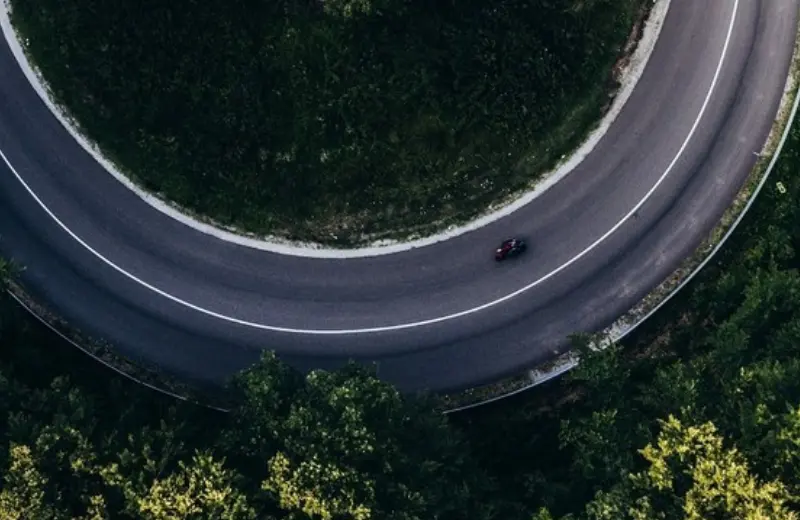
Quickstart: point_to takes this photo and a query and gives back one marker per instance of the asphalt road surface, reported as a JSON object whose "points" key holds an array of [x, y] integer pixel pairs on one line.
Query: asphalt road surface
{"points": [[441, 317]]}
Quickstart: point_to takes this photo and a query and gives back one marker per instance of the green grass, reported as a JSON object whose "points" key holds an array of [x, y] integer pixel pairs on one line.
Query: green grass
{"points": [[335, 120]]}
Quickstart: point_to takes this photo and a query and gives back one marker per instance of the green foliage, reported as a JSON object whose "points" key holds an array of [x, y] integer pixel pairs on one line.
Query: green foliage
{"points": [[200, 489], [334, 118], [691, 476], [24, 488], [339, 446], [344, 443]]}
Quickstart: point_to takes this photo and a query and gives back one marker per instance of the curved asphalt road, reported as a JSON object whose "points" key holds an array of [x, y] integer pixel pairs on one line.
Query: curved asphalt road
{"points": [[648, 139]]}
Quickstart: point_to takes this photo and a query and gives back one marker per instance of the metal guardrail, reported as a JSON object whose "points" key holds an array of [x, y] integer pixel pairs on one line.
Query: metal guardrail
{"points": [[100, 360]]}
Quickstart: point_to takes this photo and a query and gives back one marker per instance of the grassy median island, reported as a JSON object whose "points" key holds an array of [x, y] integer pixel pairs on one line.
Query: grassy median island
{"points": [[336, 120]]}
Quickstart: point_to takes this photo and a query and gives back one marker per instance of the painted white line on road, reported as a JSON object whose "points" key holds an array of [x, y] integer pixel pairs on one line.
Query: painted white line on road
{"points": [[273, 244], [619, 333], [421, 323]]}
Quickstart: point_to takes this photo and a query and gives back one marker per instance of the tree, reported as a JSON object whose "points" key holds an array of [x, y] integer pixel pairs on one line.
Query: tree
{"points": [[49, 431], [319, 489], [201, 489], [692, 476], [23, 491], [345, 445]]}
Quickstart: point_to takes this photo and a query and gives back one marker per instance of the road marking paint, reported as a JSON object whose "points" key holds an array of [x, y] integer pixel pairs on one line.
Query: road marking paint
{"points": [[275, 244], [430, 321]]}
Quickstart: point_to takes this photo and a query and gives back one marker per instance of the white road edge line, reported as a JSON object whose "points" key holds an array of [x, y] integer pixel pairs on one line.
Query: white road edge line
{"points": [[431, 320], [616, 337], [279, 245]]}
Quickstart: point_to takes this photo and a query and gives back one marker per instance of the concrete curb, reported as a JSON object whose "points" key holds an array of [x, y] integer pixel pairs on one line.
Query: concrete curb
{"points": [[638, 62]]}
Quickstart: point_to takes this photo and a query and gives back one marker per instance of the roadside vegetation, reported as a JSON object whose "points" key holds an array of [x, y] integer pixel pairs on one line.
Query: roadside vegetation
{"points": [[696, 417], [338, 120]]}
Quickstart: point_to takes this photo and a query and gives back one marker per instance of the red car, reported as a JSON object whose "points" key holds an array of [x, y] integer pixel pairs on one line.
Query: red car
{"points": [[510, 248]]}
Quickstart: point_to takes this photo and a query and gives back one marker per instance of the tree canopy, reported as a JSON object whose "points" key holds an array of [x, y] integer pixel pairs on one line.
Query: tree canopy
{"points": [[327, 445]]}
